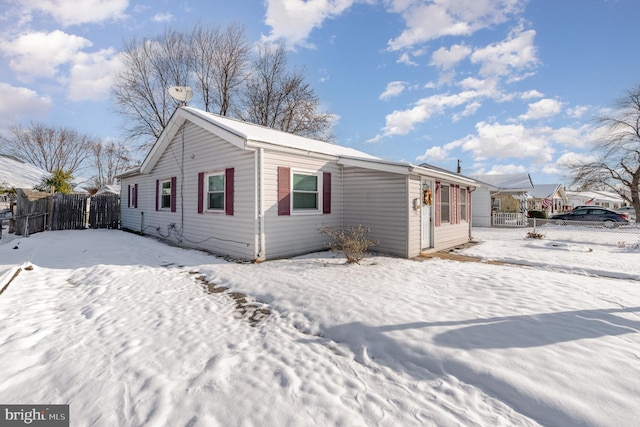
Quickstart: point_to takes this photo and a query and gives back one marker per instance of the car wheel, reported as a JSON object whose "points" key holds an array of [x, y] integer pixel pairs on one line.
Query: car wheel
{"points": [[609, 223]]}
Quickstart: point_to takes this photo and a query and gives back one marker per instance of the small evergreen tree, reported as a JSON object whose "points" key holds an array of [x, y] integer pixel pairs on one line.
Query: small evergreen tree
{"points": [[59, 181]]}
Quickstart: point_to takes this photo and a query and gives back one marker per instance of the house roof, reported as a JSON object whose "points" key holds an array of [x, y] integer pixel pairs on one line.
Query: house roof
{"points": [[544, 191], [249, 136], [17, 174], [507, 182]]}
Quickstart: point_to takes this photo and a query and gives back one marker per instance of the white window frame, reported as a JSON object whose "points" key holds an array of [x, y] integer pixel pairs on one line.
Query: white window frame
{"points": [[206, 191], [448, 204], [133, 197], [161, 194], [464, 200], [301, 211]]}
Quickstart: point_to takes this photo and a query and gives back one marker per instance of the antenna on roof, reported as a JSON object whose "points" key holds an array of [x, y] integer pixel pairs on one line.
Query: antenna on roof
{"points": [[182, 94]]}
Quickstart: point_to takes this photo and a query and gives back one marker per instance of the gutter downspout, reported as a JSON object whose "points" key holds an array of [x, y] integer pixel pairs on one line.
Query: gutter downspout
{"points": [[260, 202]]}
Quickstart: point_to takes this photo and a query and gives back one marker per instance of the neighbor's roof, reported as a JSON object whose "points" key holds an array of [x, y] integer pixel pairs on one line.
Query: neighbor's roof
{"points": [[17, 174], [543, 191], [509, 182], [249, 136]]}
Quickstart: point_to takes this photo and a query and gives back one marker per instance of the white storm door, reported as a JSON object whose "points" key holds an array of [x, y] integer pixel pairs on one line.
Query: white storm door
{"points": [[426, 215]]}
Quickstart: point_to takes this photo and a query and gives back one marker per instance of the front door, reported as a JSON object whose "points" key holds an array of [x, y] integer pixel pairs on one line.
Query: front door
{"points": [[426, 207]]}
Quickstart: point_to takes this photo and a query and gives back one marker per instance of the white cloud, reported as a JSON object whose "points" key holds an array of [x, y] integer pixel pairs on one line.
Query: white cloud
{"points": [[434, 154], [74, 12], [427, 21], [515, 54], [448, 58], [502, 170], [570, 159], [91, 75], [577, 111], [393, 89], [162, 17], [495, 140], [293, 20], [16, 103], [40, 54], [469, 110], [403, 122], [542, 109], [531, 94]]}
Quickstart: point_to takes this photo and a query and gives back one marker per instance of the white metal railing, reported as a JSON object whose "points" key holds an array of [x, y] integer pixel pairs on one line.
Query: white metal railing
{"points": [[508, 219]]}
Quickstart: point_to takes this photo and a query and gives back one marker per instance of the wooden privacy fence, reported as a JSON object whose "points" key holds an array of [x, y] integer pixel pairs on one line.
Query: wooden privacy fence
{"points": [[104, 211], [38, 211], [69, 212]]}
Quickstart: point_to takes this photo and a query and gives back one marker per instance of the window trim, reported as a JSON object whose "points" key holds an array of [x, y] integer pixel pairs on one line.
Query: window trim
{"points": [[464, 204], [319, 192], [161, 182], [447, 204], [206, 191]]}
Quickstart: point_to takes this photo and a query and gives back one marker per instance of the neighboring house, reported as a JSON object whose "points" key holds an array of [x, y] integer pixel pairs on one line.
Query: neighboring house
{"points": [[550, 198], [15, 173], [606, 199], [499, 194], [109, 189], [254, 193]]}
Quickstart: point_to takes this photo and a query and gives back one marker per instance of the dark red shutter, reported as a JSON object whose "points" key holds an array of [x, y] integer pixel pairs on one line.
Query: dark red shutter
{"points": [[128, 196], [437, 199], [157, 192], [173, 193], [200, 192], [458, 205], [228, 190], [135, 196], [284, 191], [326, 193]]}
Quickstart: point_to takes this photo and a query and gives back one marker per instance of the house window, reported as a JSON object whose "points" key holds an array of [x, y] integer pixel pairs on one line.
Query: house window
{"points": [[463, 204], [215, 191], [165, 194], [305, 191], [133, 196], [445, 196]]}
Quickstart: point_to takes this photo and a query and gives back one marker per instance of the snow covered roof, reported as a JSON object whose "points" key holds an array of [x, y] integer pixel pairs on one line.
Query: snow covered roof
{"points": [[249, 136], [543, 191], [512, 182], [17, 174], [109, 189]]}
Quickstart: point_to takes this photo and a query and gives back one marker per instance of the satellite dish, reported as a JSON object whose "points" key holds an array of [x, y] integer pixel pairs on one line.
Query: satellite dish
{"points": [[181, 93]]}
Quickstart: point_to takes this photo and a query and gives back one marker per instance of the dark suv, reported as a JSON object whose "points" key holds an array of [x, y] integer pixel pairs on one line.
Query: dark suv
{"points": [[594, 213]]}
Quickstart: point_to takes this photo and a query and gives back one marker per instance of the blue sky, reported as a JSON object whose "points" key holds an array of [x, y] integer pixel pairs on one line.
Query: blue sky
{"points": [[504, 86]]}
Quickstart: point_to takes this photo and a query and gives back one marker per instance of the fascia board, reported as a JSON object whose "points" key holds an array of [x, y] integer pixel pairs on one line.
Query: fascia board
{"points": [[289, 150]]}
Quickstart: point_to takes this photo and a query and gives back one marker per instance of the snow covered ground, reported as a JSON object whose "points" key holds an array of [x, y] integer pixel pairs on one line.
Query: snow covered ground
{"points": [[124, 330]]}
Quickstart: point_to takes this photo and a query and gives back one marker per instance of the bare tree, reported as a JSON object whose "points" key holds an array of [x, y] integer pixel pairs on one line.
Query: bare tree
{"points": [[278, 98], [49, 148], [220, 59], [140, 94], [109, 160], [618, 153]]}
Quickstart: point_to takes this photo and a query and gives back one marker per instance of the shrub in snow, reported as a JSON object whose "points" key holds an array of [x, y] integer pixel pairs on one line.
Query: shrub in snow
{"points": [[354, 241], [535, 235]]}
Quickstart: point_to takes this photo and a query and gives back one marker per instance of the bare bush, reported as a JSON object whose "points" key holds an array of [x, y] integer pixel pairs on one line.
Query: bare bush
{"points": [[354, 242]]}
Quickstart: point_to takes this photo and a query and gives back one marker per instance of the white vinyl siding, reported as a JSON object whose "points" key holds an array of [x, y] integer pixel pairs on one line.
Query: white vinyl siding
{"points": [[232, 235], [294, 234], [379, 201]]}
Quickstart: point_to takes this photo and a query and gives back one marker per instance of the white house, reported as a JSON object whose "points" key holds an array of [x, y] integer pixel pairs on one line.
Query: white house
{"points": [[504, 193], [254, 193]]}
